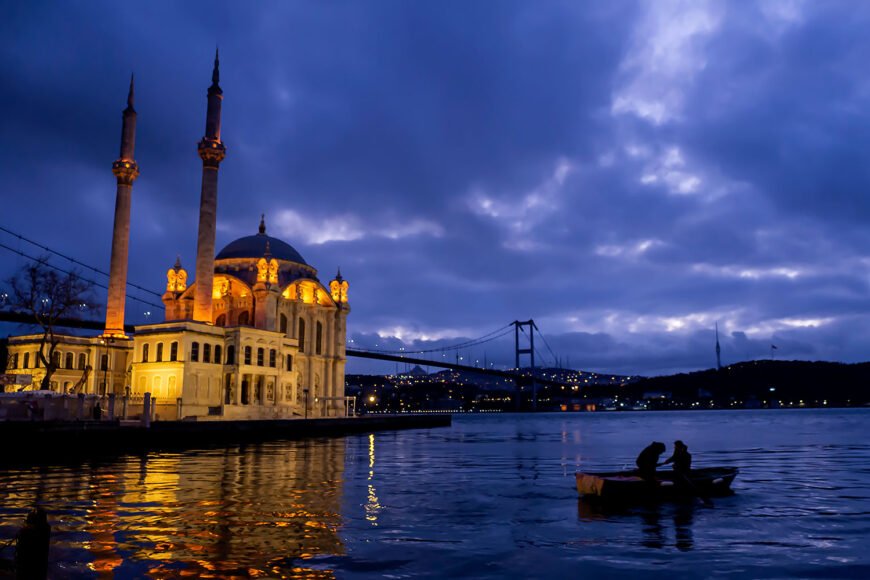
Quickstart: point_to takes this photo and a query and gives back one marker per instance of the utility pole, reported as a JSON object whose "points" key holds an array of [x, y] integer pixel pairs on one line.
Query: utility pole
{"points": [[529, 351]]}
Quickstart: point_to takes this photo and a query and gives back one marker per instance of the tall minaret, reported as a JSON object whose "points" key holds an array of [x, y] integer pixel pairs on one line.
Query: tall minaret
{"points": [[126, 171], [718, 350], [212, 152]]}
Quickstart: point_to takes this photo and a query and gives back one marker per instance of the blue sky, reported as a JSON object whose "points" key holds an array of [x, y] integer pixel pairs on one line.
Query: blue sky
{"points": [[628, 174]]}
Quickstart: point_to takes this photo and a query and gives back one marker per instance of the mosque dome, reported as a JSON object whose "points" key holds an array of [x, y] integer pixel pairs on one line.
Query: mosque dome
{"points": [[255, 247]]}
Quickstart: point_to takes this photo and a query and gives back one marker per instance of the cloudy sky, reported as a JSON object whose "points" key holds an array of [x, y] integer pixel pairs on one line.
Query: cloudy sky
{"points": [[627, 174]]}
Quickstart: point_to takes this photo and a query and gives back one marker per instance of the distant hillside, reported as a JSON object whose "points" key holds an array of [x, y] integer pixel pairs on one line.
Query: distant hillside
{"points": [[786, 381]]}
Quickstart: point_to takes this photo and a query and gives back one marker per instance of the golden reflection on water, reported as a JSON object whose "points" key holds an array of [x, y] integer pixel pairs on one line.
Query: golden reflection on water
{"points": [[256, 511], [373, 505]]}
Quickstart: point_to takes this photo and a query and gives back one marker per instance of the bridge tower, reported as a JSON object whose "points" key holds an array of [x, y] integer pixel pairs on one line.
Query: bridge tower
{"points": [[529, 351]]}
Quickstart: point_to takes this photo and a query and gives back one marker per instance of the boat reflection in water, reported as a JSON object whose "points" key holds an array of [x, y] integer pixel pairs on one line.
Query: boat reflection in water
{"points": [[258, 510], [654, 518]]}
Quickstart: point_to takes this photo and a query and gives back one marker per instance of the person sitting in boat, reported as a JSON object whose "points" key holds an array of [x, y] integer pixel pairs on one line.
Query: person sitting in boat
{"points": [[648, 460], [681, 458]]}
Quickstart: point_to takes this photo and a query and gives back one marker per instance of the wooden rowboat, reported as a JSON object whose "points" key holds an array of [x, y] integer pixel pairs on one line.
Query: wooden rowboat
{"points": [[629, 486]]}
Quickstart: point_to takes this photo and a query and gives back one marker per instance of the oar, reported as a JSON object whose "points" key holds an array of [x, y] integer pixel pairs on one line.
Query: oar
{"points": [[706, 500]]}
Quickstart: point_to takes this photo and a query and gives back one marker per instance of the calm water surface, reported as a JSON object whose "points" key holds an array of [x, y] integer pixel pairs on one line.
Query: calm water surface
{"points": [[490, 497]]}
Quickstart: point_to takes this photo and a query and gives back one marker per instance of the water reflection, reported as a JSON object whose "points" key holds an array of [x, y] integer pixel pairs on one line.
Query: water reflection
{"points": [[258, 511], [654, 520]]}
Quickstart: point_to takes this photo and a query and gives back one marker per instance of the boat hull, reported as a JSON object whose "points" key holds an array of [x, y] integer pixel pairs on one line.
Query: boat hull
{"points": [[628, 486]]}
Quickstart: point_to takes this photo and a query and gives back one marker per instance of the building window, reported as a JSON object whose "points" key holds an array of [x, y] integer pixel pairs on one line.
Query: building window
{"points": [[68, 360], [159, 357], [145, 348], [104, 362], [231, 354], [243, 318], [173, 351], [206, 353], [318, 345], [301, 335], [194, 352], [289, 362], [283, 326], [36, 361], [217, 354], [14, 361], [247, 355], [221, 320], [55, 359], [83, 361], [27, 360], [260, 357], [272, 357]]}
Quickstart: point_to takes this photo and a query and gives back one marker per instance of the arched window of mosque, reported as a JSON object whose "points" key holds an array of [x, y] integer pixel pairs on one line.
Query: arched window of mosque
{"points": [[289, 362], [83, 361], [171, 388], [231, 354], [283, 326], [318, 345], [145, 348], [301, 335], [194, 352], [159, 357], [243, 318], [27, 360], [221, 320], [68, 360], [173, 351], [217, 354], [259, 357], [247, 355], [206, 353], [272, 359]]}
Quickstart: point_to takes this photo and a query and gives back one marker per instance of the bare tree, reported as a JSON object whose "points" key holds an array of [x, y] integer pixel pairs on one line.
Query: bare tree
{"points": [[49, 296]]}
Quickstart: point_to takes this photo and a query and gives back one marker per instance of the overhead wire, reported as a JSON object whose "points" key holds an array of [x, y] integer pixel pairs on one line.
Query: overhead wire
{"points": [[71, 259], [69, 272]]}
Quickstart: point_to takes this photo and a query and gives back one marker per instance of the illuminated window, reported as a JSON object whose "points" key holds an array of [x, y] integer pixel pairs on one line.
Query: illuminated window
{"points": [[26, 360], [247, 355], [231, 354], [260, 352], [194, 352], [68, 360], [319, 341], [159, 357], [217, 354], [145, 348], [206, 353], [289, 362], [173, 351], [272, 357], [301, 335]]}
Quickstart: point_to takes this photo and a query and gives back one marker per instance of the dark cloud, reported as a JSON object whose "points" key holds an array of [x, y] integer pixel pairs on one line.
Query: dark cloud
{"points": [[627, 175]]}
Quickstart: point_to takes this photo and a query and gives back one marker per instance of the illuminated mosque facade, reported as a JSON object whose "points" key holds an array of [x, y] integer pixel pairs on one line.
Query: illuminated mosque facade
{"points": [[256, 335]]}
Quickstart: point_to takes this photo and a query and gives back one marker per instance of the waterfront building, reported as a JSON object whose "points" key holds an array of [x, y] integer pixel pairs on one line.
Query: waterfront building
{"points": [[256, 335]]}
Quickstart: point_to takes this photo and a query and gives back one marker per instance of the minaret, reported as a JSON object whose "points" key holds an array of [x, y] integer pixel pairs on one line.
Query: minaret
{"points": [[718, 350], [212, 152], [126, 171]]}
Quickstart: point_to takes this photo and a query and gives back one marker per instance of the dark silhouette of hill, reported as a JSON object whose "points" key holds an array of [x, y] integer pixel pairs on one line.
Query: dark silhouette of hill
{"points": [[813, 382]]}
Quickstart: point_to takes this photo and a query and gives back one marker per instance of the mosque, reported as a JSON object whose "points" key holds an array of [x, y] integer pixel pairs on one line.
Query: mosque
{"points": [[256, 335]]}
